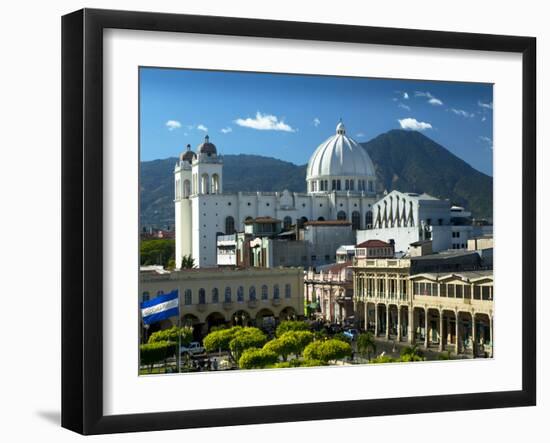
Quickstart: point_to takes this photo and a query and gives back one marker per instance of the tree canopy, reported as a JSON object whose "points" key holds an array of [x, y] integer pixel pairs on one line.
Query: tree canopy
{"points": [[254, 358], [235, 340], [171, 334], [152, 353], [220, 339], [327, 350], [157, 251], [246, 338], [291, 342], [291, 325]]}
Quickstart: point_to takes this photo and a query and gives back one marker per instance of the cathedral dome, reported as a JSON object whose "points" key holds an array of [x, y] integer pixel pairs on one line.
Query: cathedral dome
{"points": [[342, 159], [187, 155], [207, 147]]}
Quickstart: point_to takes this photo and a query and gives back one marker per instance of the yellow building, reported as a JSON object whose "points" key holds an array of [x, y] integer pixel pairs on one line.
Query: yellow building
{"points": [[213, 296], [450, 310]]}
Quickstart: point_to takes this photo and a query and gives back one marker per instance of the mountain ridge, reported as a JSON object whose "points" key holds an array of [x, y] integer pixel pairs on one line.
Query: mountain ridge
{"points": [[404, 160]]}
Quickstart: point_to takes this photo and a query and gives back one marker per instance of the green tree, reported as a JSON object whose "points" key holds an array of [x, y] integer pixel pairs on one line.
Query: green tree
{"points": [[220, 339], [171, 334], [327, 350], [254, 358], [152, 353], [411, 353], [157, 251], [291, 342], [246, 338], [366, 344], [187, 262], [291, 325]]}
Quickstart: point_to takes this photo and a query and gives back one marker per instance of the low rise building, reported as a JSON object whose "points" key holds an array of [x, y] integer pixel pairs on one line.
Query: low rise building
{"points": [[265, 243], [442, 301], [213, 296], [329, 293], [374, 249]]}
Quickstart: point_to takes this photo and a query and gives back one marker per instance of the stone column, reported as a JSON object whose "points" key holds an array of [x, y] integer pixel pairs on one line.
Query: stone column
{"points": [[398, 323], [366, 315], [440, 330], [387, 322], [457, 346], [426, 328], [376, 319], [410, 325], [474, 338]]}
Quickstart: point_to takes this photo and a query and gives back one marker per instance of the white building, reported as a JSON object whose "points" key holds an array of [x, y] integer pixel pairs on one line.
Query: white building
{"points": [[341, 185], [406, 218]]}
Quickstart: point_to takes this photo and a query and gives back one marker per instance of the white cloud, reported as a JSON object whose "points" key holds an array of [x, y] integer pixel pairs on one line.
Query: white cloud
{"points": [[462, 112], [404, 106], [265, 122], [431, 99], [360, 134], [405, 96], [483, 118], [172, 124], [227, 130], [414, 124], [486, 140], [485, 105], [201, 127], [316, 122]]}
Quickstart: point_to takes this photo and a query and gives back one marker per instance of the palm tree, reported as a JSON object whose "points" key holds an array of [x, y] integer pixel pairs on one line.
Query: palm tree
{"points": [[187, 262], [366, 344]]}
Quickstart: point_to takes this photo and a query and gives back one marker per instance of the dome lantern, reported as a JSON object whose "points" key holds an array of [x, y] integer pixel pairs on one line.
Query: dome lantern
{"points": [[207, 148], [187, 155]]}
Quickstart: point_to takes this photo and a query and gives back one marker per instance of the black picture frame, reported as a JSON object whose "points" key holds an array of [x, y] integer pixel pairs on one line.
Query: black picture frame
{"points": [[82, 230]]}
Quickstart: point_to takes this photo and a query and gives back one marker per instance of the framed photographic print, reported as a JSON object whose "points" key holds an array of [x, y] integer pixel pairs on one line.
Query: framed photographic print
{"points": [[269, 221]]}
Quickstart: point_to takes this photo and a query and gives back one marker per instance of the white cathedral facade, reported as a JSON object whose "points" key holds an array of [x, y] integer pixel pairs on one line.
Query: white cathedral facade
{"points": [[341, 184]]}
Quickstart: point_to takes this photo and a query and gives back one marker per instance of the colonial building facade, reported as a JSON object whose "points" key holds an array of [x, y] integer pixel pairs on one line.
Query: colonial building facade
{"points": [[209, 297], [441, 310], [329, 293], [341, 183]]}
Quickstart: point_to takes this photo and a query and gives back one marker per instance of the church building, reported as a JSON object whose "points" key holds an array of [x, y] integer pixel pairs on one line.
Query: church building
{"points": [[341, 184]]}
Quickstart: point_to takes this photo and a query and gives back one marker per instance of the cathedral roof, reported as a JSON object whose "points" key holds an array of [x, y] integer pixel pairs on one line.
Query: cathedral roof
{"points": [[340, 156], [206, 147], [187, 155]]}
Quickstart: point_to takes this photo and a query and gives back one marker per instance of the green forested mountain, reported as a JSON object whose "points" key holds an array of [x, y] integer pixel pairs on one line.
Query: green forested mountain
{"points": [[404, 160]]}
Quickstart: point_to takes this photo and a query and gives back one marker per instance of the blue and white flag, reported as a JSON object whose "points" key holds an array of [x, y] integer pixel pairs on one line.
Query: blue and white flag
{"points": [[160, 308]]}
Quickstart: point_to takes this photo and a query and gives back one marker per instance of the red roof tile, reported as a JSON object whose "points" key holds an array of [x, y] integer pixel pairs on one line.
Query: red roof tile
{"points": [[373, 244]]}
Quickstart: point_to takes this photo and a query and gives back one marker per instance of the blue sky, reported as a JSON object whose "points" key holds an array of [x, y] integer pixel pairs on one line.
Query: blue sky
{"points": [[288, 116]]}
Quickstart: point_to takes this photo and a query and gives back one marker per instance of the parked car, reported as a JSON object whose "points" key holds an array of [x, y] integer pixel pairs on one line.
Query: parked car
{"points": [[193, 348], [351, 333]]}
